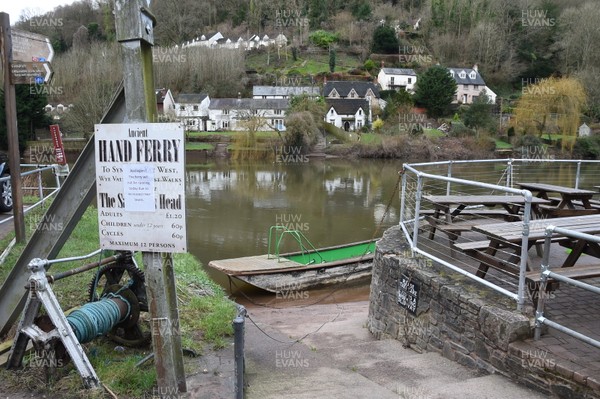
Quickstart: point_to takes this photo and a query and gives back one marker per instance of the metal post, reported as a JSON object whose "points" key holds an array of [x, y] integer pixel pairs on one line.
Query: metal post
{"points": [[539, 312], [577, 174], [417, 210], [402, 196], [40, 185], [238, 348], [10, 104], [134, 28], [509, 174], [524, 249], [449, 184]]}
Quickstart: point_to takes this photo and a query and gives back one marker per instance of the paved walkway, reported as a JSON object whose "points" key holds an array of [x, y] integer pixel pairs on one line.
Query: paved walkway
{"points": [[340, 359]]}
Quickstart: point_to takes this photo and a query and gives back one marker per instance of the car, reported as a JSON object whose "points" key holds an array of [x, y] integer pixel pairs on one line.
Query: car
{"points": [[6, 200]]}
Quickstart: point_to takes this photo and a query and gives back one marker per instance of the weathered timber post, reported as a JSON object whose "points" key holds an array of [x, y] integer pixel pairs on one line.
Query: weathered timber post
{"points": [[10, 103], [135, 32]]}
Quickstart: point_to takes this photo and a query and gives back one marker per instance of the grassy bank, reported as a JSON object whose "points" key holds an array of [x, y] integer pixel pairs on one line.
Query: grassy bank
{"points": [[205, 322]]}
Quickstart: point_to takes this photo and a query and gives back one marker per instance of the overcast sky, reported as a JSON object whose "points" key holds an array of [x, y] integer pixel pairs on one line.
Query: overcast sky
{"points": [[15, 7]]}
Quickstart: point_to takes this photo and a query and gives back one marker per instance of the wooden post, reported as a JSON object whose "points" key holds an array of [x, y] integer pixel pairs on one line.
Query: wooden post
{"points": [[134, 28], [10, 104]]}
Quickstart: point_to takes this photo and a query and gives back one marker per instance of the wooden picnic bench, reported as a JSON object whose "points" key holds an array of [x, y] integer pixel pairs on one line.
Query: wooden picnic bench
{"points": [[569, 198], [509, 236]]}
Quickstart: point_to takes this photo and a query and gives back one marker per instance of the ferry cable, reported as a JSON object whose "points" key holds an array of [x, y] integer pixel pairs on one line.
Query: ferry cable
{"points": [[293, 342]]}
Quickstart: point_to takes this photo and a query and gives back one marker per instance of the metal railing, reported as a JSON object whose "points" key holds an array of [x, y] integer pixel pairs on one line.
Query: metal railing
{"points": [[280, 232], [44, 193], [482, 177], [547, 273]]}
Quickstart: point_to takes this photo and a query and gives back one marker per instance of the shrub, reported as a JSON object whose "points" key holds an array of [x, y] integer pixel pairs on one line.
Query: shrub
{"points": [[587, 147]]}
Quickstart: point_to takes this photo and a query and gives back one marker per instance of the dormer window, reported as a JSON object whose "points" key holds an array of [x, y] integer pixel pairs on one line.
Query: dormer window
{"points": [[360, 111], [473, 75], [462, 75], [451, 73]]}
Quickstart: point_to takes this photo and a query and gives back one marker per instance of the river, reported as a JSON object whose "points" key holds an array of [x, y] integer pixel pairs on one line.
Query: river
{"points": [[230, 207]]}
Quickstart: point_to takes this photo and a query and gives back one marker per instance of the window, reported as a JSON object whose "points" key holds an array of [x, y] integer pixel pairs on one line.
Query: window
{"points": [[225, 124], [225, 112], [277, 112], [473, 75], [391, 81], [182, 107], [195, 108], [462, 75], [409, 80], [360, 111]]}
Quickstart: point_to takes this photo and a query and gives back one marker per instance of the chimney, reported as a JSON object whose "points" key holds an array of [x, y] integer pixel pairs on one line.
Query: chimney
{"points": [[239, 95], [475, 68], [382, 63]]}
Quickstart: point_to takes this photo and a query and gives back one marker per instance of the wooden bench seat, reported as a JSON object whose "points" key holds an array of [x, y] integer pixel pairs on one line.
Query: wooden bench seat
{"points": [[575, 272], [553, 212], [470, 212], [471, 246]]}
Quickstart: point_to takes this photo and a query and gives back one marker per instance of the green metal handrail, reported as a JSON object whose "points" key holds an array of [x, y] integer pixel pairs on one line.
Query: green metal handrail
{"points": [[296, 234]]}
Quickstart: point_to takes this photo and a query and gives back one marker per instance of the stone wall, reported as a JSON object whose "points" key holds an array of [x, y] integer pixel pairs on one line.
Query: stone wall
{"points": [[460, 319]]}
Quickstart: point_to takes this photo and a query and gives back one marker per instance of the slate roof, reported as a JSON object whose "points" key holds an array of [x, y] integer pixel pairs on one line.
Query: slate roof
{"points": [[249, 103], [344, 88], [399, 71], [467, 80], [285, 90], [190, 98], [347, 106]]}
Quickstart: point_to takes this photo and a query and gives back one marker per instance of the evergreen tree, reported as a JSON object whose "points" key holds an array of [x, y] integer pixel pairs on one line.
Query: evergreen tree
{"points": [[31, 101], [385, 40], [435, 91], [331, 60], [479, 114]]}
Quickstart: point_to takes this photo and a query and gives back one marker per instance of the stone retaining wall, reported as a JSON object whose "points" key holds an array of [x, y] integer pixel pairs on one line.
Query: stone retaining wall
{"points": [[464, 321]]}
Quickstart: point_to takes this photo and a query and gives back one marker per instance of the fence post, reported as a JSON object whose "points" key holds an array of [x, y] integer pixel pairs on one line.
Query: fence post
{"points": [[238, 349], [402, 195], [449, 184], [577, 174], [417, 209]]}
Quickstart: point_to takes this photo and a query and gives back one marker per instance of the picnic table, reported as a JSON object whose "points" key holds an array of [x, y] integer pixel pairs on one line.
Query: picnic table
{"points": [[565, 206], [509, 236]]}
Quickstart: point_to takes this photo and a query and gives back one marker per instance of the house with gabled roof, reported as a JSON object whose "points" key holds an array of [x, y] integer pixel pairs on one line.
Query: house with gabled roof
{"points": [[230, 113], [351, 89], [469, 85], [285, 92], [192, 110], [165, 103], [348, 114]]}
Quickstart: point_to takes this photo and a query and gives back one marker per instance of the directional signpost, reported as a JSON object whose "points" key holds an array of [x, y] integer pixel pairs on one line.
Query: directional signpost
{"points": [[31, 57]]}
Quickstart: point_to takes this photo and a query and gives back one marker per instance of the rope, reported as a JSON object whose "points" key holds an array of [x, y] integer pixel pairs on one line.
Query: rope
{"points": [[96, 318]]}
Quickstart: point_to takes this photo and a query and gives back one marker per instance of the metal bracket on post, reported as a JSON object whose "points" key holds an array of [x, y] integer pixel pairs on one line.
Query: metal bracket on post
{"points": [[40, 293]]}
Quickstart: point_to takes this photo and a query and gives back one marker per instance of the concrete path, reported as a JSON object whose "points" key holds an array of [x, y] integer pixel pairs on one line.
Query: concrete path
{"points": [[340, 359]]}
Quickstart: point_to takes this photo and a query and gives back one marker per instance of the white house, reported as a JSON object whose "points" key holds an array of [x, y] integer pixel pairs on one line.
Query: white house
{"points": [[192, 110], [397, 78], [350, 114], [230, 113], [584, 130], [284, 92], [469, 85], [165, 103]]}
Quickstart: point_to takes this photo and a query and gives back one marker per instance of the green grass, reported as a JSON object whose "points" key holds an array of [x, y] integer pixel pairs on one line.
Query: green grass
{"points": [[198, 146], [261, 134], [205, 318], [370, 138], [306, 64], [502, 145], [433, 133]]}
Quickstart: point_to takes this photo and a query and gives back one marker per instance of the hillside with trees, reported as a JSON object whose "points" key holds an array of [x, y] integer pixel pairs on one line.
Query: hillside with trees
{"points": [[515, 43]]}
